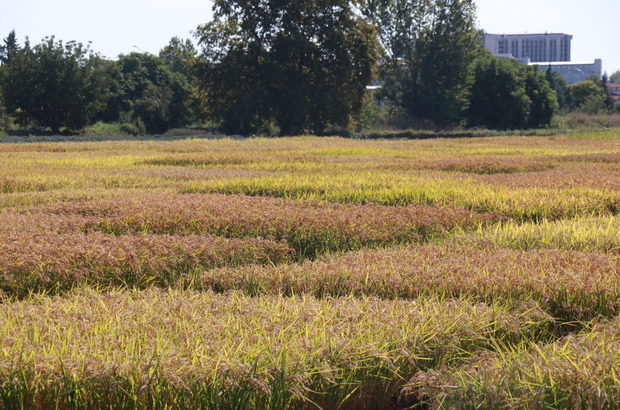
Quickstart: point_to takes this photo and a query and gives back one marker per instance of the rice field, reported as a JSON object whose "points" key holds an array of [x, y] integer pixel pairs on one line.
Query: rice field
{"points": [[311, 273]]}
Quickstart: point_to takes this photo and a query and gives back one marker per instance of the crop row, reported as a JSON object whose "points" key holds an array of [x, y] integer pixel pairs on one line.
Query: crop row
{"points": [[310, 228], [48, 262], [400, 189], [554, 194], [600, 234], [579, 371], [569, 285], [476, 156], [188, 350]]}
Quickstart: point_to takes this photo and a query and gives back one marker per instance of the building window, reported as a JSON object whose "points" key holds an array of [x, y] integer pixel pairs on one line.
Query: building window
{"points": [[503, 47], [553, 50]]}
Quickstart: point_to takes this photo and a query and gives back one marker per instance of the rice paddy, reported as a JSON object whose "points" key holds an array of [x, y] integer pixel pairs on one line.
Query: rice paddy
{"points": [[311, 273]]}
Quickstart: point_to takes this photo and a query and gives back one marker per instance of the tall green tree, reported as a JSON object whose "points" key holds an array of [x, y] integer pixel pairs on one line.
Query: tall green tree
{"points": [[615, 77], [498, 98], [428, 47], [55, 85], [147, 91], [507, 95], [609, 101], [560, 86], [9, 50], [301, 64], [179, 55], [543, 99]]}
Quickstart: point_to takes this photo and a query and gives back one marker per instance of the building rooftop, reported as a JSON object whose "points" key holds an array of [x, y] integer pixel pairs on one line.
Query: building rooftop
{"points": [[534, 34], [553, 63]]}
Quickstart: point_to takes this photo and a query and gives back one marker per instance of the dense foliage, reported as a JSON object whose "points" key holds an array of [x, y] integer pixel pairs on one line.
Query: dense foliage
{"points": [[295, 67], [588, 96], [149, 92], [299, 64], [506, 95], [428, 47], [54, 84]]}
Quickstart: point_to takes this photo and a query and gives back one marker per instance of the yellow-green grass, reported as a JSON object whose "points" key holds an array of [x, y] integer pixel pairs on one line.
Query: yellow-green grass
{"points": [[17, 201], [188, 350], [585, 234], [579, 371], [401, 189], [571, 286]]}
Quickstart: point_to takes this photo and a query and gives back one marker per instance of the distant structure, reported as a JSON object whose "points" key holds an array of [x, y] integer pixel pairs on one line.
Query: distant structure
{"points": [[548, 47], [544, 50], [614, 91], [575, 72]]}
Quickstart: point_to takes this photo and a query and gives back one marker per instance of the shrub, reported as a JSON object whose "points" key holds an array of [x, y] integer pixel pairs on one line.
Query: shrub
{"points": [[101, 129]]}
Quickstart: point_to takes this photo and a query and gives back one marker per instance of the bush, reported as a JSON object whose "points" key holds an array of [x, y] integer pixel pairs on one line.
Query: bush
{"points": [[102, 129], [593, 104], [588, 97], [582, 120]]}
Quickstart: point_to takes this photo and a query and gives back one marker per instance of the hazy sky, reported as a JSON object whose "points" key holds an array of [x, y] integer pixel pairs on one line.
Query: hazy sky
{"points": [[115, 26]]}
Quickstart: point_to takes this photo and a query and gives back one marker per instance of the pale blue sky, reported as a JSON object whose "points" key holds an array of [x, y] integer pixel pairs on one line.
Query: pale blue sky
{"points": [[594, 24], [115, 26]]}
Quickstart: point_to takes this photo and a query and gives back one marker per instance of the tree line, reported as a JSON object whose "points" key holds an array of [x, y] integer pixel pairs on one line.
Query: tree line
{"points": [[299, 65]]}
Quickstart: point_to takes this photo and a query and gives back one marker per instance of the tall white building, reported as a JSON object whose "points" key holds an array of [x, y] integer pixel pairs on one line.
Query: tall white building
{"points": [[547, 47]]}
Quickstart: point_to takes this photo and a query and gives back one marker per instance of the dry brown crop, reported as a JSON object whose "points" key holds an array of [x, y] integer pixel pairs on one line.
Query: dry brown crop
{"points": [[569, 285], [310, 228], [49, 262]]}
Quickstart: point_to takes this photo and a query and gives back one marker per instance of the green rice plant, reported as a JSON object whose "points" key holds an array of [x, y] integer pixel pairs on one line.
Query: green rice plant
{"points": [[170, 349], [477, 319], [14, 202], [12, 185]]}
